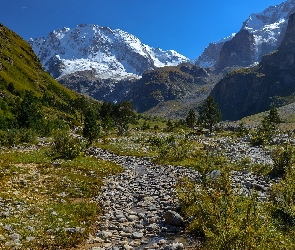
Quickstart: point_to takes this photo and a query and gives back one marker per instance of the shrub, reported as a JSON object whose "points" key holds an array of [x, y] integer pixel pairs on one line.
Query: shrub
{"points": [[145, 126], [13, 137], [225, 219], [267, 128], [27, 135], [242, 130], [283, 196], [50, 126], [282, 160], [65, 146], [3, 138]]}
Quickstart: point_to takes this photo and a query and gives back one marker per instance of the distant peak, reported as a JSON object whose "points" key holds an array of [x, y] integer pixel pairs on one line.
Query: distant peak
{"points": [[110, 53]]}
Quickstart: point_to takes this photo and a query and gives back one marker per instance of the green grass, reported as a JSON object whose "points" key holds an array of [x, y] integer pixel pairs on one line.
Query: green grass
{"points": [[54, 196]]}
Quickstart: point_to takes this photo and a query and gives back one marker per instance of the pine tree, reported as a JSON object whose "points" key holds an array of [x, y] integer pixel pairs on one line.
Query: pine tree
{"points": [[209, 114], [123, 115], [91, 129], [191, 118], [274, 116]]}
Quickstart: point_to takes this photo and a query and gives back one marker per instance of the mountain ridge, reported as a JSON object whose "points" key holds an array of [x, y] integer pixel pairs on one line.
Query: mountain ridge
{"points": [[110, 53], [267, 28]]}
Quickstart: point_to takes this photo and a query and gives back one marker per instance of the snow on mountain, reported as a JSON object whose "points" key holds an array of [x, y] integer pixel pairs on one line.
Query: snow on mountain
{"points": [[108, 53], [268, 28]]}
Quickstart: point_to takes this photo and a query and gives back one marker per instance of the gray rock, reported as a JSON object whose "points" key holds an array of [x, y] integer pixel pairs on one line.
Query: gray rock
{"points": [[105, 234], [137, 235], [29, 238], [215, 174], [127, 247], [174, 246], [173, 218]]}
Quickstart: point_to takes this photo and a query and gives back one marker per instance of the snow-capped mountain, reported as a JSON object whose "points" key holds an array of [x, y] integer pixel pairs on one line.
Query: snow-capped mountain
{"points": [[265, 31], [107, 53]]}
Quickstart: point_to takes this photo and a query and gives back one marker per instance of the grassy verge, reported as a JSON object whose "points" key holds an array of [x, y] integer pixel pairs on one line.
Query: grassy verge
{"points": [[45, 204]]}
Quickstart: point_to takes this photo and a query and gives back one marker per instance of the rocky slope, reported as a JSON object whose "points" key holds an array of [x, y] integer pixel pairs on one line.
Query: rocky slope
{"points": [[167, 84], [260, 34], [184, 83], [252, 90]]}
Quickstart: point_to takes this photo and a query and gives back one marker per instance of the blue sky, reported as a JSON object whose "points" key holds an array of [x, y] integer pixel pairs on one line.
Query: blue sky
{"points": [[186, 26]]}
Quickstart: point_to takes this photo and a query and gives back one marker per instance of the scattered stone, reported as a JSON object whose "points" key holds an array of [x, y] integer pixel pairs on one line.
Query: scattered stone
{"points": [[29, 238]]}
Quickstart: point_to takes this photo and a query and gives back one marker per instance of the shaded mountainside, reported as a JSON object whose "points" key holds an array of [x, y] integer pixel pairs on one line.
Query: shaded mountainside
{"points": [[237, 52], [184, 82], [21, 70], [167, 84], [252, 90]]}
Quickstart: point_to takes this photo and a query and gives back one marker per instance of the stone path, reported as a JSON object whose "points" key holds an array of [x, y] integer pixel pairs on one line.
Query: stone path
{"points": [[135, 206], [139, 204]]}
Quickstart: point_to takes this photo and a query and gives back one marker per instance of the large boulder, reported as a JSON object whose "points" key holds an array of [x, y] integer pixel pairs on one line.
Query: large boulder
{"points": [[174, 219]]}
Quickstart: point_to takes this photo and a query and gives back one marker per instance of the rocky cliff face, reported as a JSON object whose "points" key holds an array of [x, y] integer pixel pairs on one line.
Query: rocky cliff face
{"points": [[237, 52], [248, 91], [263, 32]]}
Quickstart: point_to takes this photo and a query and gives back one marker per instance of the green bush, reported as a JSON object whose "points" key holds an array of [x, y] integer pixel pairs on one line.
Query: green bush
{"points": [[27, 135], [242, 130], [282, 160], [50, 126], [3, 138], [283, 197], [224, 219], [65, 146], [13, 137], [169, 149]]}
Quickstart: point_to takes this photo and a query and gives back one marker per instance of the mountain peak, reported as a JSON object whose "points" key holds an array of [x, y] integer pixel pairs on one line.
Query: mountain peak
{"points": [[268, 29], [114, 54]]}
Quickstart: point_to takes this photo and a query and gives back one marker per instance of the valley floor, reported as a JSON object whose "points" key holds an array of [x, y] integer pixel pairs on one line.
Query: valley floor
{"points": [[140, 205]]}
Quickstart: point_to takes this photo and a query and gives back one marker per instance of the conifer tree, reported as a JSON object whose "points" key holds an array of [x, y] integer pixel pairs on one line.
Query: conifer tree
{"points": [[191, 118], [209, 114], [91, 129], [273, 115]]}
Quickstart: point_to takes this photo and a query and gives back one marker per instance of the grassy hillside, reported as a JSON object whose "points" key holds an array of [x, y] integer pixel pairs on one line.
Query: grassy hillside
{"points": [[21, 67], [20, 73]]}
